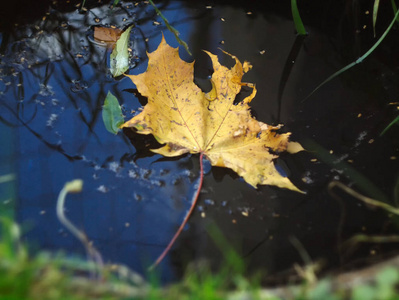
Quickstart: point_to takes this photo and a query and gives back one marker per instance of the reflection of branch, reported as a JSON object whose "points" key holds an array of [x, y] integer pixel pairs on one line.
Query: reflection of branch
{"points": [[363, 198], [55, 147], [75, 186]]}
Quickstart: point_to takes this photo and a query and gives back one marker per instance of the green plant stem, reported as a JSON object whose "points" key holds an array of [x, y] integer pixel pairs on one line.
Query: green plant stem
{"points": [[359, 60], [193, 203], [375, 239], [75, 186], [364, 184], [367, 200], [171, 28]]}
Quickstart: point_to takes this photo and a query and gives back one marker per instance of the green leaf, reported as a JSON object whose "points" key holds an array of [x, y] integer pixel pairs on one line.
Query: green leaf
{"points": [[112, 114], [297, 19], [363, 292], [120, 55], [386, 281]]}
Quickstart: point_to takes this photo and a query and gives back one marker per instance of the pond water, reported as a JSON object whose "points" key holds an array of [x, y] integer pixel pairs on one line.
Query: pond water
{"points": [[53, 81]]}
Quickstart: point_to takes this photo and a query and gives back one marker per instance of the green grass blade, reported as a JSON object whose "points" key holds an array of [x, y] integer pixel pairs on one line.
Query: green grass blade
{"points": [[396, 120], [300, 28], [112, 114], [359, 60], [171, 28], [361, 181], [375, 13], [395, 9], [331, 78]]}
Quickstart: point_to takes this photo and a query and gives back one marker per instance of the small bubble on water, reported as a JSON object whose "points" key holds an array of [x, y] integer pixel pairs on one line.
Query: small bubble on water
{"points": [[133, 174], [45, 90], [51, 120], [209, 202], [158, 183], [78, 86], [114, 166], [145, 174], [102, 189], [177, 181], [307, 178], [164, 172]]}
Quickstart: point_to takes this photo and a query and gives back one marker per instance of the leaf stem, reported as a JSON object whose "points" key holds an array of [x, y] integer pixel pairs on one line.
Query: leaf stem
{"points": [[190, 211]]}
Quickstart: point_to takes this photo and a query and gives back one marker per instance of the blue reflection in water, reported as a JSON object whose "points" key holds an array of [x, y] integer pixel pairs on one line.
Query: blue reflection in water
{"points": [[54, 81]]}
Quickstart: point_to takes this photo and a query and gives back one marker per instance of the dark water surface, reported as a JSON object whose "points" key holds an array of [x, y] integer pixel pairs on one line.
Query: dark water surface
{"points": [[53, 81]]}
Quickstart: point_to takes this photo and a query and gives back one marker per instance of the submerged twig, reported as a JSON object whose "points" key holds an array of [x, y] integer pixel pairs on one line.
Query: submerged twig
{"points": [[363, 198], [374, 239]]}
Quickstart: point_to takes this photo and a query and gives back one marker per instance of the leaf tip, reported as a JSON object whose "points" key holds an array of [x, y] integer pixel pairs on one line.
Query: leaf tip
{"points": [[294, 147]]}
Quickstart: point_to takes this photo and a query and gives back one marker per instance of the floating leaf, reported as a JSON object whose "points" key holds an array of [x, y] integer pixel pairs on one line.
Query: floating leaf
{"points": [[119, 60], [187, 120], [112, 114], [107, 35]]}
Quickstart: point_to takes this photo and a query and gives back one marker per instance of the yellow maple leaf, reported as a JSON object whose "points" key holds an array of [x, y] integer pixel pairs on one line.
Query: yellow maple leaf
{"points": [[187, 120]]}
